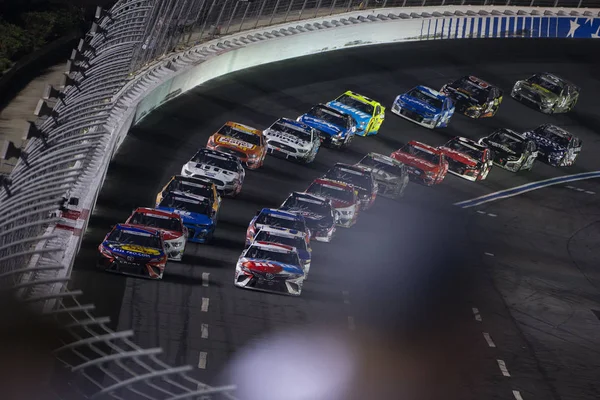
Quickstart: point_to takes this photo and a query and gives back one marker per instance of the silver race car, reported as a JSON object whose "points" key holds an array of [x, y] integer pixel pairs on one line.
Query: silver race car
{"points": [[270, 267], [292, 139], [547, 92], [225, 170], [391, 175]]}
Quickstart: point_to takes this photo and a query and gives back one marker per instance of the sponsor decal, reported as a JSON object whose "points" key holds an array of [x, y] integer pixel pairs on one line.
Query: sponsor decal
{"points": [[235, 142], [134, 248]]}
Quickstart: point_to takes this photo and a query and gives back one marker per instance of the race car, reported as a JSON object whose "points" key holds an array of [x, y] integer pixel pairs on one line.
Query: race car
{"points": [[242, 141], [292, 139], [289, 237], [270, 267], [362, 179], [196, 212], [391, 175], [368, 113], [224, 170], [317, 211], [424, 106], [511, 150], [343, 197], [547, 92], [199, 186], [276, 218], [425, 163], [474, 97], [132, 250], [555, 145], [467, 159], [171, 226], [335, 128]]}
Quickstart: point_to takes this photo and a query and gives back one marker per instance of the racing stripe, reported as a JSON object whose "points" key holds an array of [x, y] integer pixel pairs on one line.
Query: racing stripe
{"points": [[486, 27]]}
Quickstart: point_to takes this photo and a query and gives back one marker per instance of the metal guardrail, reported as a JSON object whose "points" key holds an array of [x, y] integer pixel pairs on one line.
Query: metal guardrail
{"points": [[46, 201]]}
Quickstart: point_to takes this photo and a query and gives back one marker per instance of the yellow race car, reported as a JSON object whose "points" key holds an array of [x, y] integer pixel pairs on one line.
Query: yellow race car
{"points": [[368, 113], [193, 186]]}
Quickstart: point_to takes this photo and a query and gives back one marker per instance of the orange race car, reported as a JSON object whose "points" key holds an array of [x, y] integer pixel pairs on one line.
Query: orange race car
{"points": [[242, 141]]}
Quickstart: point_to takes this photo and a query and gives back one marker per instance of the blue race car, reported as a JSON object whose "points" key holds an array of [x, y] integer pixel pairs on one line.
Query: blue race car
{"points": [[424, 106], [368, 113], [556, 146], [197, 214], [336, 128], [133, 250]]}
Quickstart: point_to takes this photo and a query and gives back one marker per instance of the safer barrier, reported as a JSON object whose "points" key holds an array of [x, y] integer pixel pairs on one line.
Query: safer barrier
{"points": [[46, 203]]}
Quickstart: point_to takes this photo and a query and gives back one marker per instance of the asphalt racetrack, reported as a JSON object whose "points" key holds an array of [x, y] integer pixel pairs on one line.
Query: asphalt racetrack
{"points": [[425, 300]]}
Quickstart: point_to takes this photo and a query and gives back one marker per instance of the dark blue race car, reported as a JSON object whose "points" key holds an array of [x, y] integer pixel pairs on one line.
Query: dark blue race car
{"points": [[556, 146], [197, 214], [133, 250], [336, 128], [424, 106]]}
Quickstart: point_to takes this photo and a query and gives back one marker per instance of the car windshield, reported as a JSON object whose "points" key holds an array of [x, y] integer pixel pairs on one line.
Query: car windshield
{"points": [[297, 242], [509, 141], [466, 149], [156, 221], [215, 161], [331, 192], [356, 104], [472, 89], [421, 153], [125, 236], [546, 84], [373, 163], [281, 222], [201, 189], [268, 255], [349, 176], [426, 98], [327, 116], [281, 127], [548, 133], [247, 137], [299, 203], [186, 204]]}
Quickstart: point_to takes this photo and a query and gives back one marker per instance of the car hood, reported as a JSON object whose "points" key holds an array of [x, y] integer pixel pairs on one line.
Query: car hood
{"points": [[268, 266], [413, 161], [537, 89], [417, 105], [498, 147], [168, 235], [323, 126], [459, 156], [233, 143], [286, 138], [210, 171], [547, 145], [132, 250], [358, 115], [312, 219], [189, 217]]}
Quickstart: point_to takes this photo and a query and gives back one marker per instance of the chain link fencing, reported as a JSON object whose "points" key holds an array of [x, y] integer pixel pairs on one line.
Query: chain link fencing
{"points": [[47, 199]]}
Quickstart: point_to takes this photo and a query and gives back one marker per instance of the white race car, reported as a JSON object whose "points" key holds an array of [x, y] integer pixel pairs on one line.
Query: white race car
{"points": [[225, 170], [270, 267], [292, 139], [289, 237]]}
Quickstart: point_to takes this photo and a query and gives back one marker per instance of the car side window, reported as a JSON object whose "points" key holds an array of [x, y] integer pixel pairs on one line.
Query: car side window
{"points": [[377, 110]]}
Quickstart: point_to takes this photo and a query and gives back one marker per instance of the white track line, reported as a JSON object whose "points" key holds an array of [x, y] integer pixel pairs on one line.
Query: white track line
{"points": [[202, 360], [489, 254], [351, 324], [205, 302], [346, 295], [488, 339], [205, 278], [476, 313], [517, 395], [580, 189], [570, 187], [503, 368], [492, 215], [204, 331], [589, 192], [480, 212]]}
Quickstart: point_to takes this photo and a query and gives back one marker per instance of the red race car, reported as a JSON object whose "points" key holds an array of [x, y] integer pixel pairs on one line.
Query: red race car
{"points": [[467, 159], [344, 199], [423, 162], [175, 234]]}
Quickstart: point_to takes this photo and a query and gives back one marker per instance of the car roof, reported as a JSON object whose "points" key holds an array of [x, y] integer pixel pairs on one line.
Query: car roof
{"points": [[277, 247], [189, 196], [243, 128], [384, 159], [353, 168], [154, 211], [330, 110], [425, 147], [335, 183], [284, 232], [292, 123], [137, 228], [309, 196], [229, 157], [281, 213], [431, 91], [193, 179], [469, 142]]}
